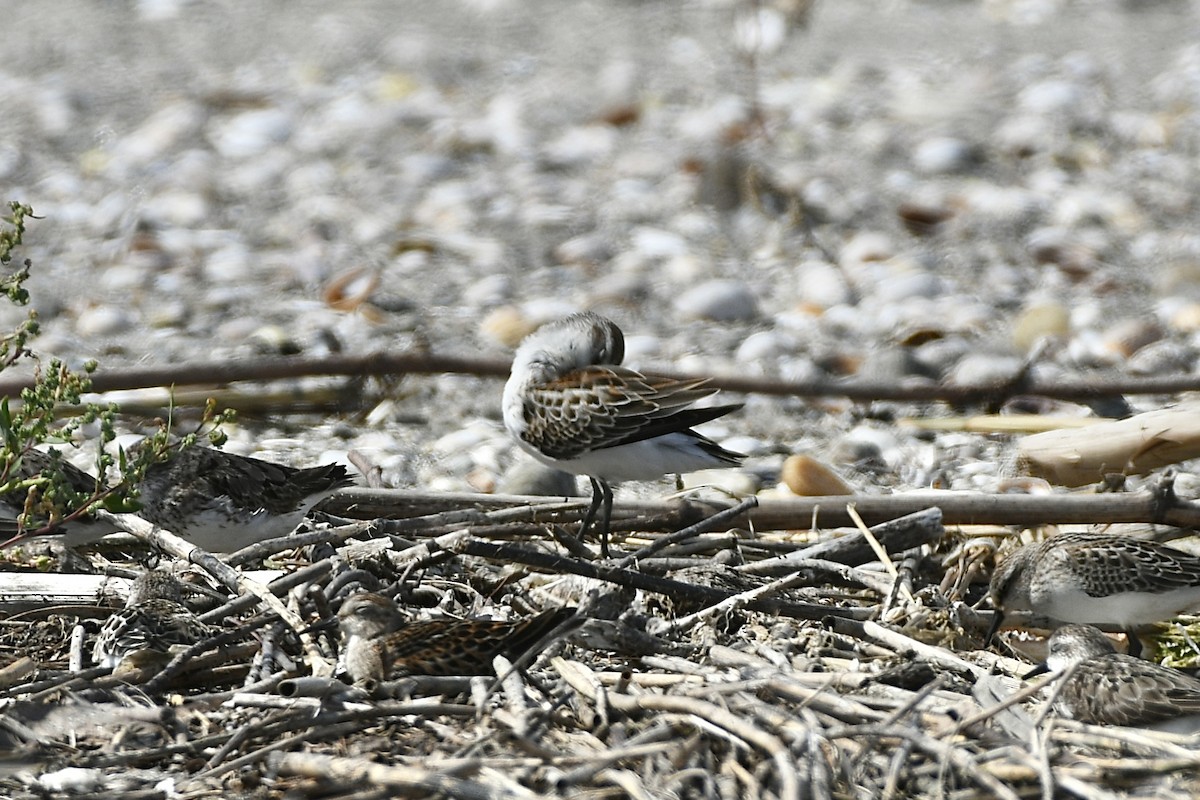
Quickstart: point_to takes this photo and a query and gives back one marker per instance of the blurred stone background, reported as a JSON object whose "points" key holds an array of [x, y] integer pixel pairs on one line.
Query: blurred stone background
{"points": [[887, 189]]}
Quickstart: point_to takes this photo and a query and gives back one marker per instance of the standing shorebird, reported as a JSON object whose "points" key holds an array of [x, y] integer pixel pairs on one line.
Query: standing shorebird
{"points": [[1097, 578], [1109, 688], [223, 502], [378, 644], [570, 404], [154, 619]]}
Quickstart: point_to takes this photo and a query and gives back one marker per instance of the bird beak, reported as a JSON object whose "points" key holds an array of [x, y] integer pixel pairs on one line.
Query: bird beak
{"points": [[320, 625], [997, 619], [1040, 669]]}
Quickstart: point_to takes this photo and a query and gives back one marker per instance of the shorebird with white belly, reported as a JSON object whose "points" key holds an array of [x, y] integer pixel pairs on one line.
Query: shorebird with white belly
{"points": [[570, 404], [1097, 578]]}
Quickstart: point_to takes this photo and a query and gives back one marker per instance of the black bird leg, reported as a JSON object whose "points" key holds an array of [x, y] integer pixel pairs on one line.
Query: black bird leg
{"points": [[602, 495], [1134, 647]]}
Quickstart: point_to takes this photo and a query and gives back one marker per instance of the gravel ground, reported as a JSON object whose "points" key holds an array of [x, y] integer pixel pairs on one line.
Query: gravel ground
{"points": [[972, 177], [897, 191]]}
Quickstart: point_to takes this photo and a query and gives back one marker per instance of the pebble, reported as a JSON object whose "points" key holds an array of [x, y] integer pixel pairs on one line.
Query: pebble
{"points": [[762, 346], [809, 477], [718, 300], [982, 369], [71, 780], [250, 133], [864, 248], [529, 477], [944, 155], [865, 446], [821, 285], [161, 134], [725, 482], [1039, 321], [1131, 335], [1163, 357], [1186, 318], [102, 321]]}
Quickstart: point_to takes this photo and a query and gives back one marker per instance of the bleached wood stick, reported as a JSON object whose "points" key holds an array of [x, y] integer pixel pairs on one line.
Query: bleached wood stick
{"points": [[1134, 446]]}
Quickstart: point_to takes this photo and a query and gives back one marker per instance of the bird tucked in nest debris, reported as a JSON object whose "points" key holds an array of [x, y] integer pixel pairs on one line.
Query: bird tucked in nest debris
{"points": [[1097, 578], [154, 620], [223, 502], [1111, 688], [570, 404], [21, 515], [378, 644]]}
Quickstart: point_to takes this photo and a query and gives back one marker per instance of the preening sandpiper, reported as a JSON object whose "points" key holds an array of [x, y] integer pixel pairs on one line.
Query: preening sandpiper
{"points": [[1097, 578], [570, 404]]}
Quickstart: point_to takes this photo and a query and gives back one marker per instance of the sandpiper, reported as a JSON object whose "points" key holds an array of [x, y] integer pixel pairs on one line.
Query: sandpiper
{"points": [[154, 619], [20, 516], [223, 502], [378, 644], [1110, 688], [1097, 578], [570, 404]]}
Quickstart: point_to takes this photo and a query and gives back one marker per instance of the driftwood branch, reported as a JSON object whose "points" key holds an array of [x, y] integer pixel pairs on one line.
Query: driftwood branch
{"points": [[417, 363], [1133, 446], [408, 780], [639, 580], [802, 513]]}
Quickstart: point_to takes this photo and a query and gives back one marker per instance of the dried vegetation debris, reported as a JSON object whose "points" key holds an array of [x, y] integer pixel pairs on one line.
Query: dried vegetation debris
{"points": [[654, 696]]}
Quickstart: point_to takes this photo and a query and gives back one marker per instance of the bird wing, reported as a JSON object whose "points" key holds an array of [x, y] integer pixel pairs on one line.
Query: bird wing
{"points": [[1123, 690], [464, 647], [599, 407], [199, 476], [1139, 565]]}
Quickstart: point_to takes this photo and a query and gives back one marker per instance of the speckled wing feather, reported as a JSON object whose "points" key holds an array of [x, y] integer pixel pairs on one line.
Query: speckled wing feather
{"points": [[1122, 690], [464, 647], [1132, 564], [155, 624], [599, 407], [198, 475]]}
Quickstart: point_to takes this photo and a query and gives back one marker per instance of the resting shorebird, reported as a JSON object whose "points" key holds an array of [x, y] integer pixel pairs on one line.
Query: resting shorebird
{"points": [[21, 517], [154, 619], [1097, 578], [1110, 688], [570, 404], [378, 644], [223, 502]]}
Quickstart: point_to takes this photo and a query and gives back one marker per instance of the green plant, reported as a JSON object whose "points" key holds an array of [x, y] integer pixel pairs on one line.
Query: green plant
{"points": [[48, 490]]}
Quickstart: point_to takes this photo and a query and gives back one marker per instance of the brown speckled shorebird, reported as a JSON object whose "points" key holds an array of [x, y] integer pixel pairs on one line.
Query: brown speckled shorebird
{"points": [[32, 464], [223, 502], [570, 404], [378, 644], [1097, 578], [1110, 688], [154, 619]]}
